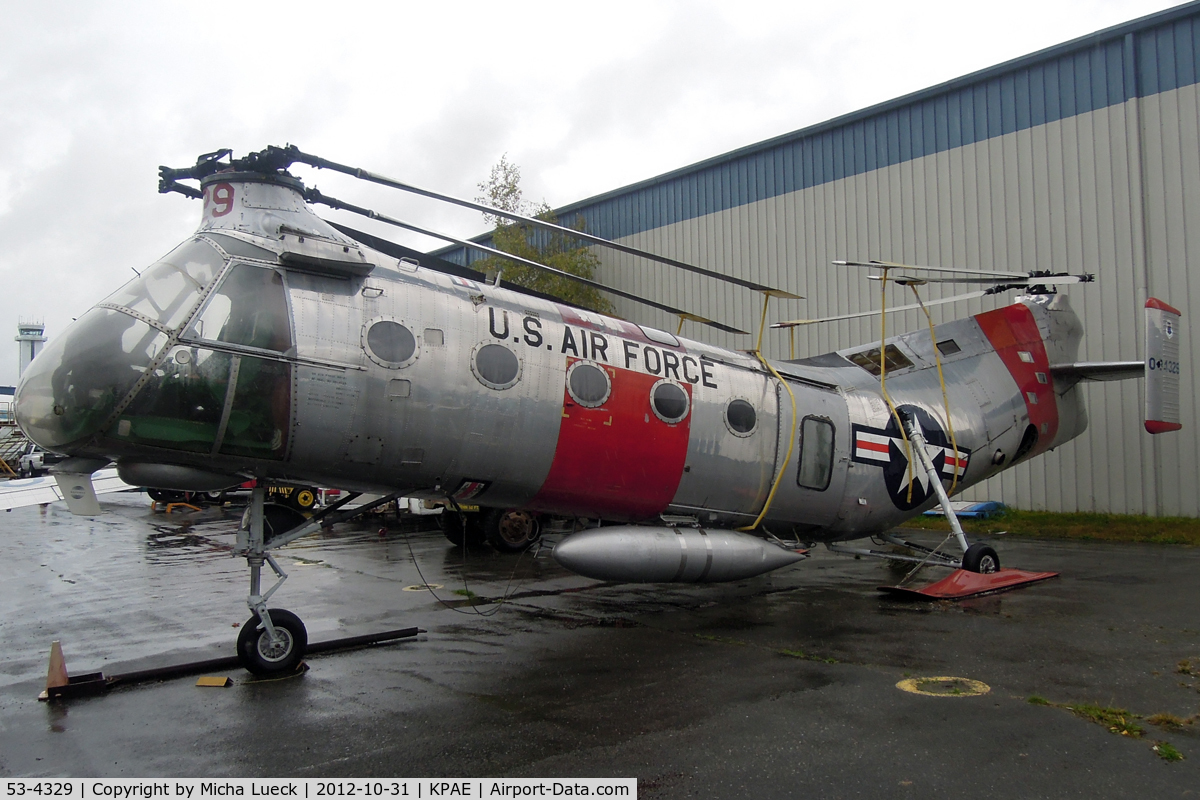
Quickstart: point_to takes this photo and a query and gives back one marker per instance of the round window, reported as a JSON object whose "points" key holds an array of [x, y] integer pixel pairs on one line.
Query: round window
{"points": [[740, 417], [669, 401], [588, 384], [496, 366], [390, 344]]}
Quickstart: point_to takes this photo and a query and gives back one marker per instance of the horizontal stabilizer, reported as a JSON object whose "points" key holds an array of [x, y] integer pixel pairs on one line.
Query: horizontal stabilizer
{"points": [[1097, 371], [1162, 367]]}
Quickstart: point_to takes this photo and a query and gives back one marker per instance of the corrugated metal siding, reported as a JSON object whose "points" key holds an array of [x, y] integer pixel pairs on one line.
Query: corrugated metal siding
{"points": [[1155, 55], [1084, 158]]}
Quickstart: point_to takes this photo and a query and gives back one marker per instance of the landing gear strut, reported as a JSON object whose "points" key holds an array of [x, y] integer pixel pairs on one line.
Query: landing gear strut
{"points": [[977, 557], [273, 641]]}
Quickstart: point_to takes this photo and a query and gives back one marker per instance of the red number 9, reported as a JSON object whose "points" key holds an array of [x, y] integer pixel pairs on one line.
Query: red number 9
{"points": [[222, 198]]}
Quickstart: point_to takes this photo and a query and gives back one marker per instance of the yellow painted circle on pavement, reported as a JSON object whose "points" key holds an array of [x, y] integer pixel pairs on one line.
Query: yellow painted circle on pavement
{"points": [[944, 686]]}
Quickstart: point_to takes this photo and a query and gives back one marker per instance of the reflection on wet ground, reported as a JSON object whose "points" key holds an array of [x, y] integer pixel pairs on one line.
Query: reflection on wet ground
{"points": [[775, 686]]}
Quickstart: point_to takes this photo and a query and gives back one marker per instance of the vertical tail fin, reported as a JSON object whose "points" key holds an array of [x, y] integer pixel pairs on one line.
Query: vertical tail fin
{"points": [[1162, 367]]}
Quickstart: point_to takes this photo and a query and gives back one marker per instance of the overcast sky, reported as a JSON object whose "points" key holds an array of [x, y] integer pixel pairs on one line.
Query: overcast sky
{"points": [[585, 97]]}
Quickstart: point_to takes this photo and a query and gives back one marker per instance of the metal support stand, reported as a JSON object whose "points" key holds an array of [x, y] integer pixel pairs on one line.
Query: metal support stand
{"points": [[918, 447]]}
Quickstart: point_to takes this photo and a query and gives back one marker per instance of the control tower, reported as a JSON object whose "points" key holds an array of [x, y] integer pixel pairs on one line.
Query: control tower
{"points": [[31, 336]]}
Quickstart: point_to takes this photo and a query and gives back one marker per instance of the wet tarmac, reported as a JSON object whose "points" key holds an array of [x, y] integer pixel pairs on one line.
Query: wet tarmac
{"points": [[780, 686]]}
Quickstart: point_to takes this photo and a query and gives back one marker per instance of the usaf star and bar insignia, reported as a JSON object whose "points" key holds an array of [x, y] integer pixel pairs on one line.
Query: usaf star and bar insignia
{"points": [[886, 448]]}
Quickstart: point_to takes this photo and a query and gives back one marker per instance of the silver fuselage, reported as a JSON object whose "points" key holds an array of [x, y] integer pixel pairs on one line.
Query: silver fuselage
{"points": [[270, 345]]}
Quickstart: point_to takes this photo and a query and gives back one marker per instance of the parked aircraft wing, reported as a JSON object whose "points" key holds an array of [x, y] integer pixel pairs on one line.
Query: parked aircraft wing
{"points": [[35, 491]]}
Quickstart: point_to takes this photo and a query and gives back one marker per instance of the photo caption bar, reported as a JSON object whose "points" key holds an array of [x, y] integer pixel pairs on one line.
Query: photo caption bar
{"points": [[419, 788]]}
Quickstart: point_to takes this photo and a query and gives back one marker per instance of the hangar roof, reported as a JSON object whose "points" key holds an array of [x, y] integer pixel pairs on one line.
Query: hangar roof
{"points": [[1140, 58]]}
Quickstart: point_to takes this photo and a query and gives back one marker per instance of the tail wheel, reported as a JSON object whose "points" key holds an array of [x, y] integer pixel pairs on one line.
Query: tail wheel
{"points": [[261, 656], [513, 530], [981, 558], [303, 499]]}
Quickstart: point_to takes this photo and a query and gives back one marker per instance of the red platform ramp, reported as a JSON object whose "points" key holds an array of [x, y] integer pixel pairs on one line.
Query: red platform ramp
{"points": [[961, 584]]}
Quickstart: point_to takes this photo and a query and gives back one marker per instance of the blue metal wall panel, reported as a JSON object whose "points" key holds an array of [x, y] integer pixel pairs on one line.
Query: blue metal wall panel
{"points": [[1075, 78]]}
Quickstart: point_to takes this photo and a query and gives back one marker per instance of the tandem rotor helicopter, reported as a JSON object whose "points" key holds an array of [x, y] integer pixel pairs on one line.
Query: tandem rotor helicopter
{"points": [[271, 345]]}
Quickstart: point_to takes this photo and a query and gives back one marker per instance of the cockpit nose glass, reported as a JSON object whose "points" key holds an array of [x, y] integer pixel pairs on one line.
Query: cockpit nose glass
{"points": [[74, 385], [168, 291]]}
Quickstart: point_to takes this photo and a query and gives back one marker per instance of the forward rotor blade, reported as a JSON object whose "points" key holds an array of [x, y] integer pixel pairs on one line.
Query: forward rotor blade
{"points": [[314, 196], [362, 174], [998, 274], [798, 322]]}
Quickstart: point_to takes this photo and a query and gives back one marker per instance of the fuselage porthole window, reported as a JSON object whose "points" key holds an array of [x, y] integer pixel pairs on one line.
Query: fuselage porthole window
{"points": [[669, 401], [495, 366], [588, 385], [389, 343], [740, 417]]}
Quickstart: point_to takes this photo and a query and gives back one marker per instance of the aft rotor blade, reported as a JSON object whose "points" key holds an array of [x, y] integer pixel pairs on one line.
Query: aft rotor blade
{"points": [[997, 274], [314, 196], [798, 322], [1024, 280], [362, 174]]}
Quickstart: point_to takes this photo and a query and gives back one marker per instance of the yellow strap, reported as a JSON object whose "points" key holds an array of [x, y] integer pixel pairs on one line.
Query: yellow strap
{"points": [[791, 445], [942, 380], [883, 381]]}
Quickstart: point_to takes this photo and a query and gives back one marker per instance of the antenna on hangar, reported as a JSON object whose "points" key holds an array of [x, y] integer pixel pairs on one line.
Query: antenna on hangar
{"points": [[274, 159]]}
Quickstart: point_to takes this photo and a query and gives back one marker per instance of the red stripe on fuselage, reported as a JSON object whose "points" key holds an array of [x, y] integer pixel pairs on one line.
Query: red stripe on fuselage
{"points": [[1012, 330], [618, 461]]}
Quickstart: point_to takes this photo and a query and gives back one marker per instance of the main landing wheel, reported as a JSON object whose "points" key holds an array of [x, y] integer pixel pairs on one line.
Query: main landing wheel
{"points": [[981, 558], [261, 656], [511, 531], [461, 529]]}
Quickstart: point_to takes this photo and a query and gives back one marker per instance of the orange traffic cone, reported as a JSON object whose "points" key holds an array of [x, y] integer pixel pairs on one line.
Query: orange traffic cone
{"points": [[57, 674]]}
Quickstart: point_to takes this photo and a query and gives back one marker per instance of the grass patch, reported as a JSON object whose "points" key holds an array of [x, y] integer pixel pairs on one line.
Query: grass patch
{"points": [[1095, 527], [806, 657], [1117, 720], [1167, 752], [1167, 721], [1184, 667], [708, 637]]}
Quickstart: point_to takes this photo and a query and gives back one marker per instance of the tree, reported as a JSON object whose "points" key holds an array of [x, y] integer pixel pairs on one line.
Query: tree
{"points": [[502, 190]]}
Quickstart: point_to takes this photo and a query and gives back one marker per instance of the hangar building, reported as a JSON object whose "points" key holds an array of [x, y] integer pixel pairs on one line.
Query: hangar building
{"points": [[1081, 158]]}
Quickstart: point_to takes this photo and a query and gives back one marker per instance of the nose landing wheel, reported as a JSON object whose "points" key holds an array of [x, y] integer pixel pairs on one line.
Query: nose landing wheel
{"points": [[262, 655]]}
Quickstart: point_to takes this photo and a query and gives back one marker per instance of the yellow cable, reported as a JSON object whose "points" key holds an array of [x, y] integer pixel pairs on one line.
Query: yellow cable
{"points": [[762, 325], [883, 381], [942, 380], [791, 445]]}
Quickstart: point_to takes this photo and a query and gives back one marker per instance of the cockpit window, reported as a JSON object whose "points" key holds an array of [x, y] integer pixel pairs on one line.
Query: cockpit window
{"points": [[83, 375], [168, 291], [182, 405], [250, 309]]}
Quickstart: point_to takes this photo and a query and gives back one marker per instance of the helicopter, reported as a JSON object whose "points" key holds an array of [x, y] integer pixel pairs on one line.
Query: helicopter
{"points": [[272, 345]]}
